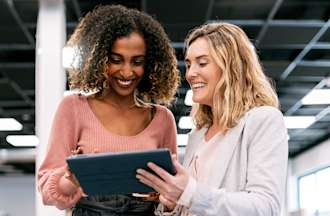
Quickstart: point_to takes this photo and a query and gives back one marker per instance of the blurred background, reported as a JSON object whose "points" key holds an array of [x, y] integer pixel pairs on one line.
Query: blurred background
{"points": [[292, 38]]}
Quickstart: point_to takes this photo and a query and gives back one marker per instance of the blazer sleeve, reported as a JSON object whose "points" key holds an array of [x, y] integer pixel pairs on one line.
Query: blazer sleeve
{"points": [[63, 139], [266, 172]]}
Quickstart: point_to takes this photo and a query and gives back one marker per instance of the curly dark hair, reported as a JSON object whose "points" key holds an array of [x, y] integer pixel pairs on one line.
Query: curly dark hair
{"points": [[94, 37]]}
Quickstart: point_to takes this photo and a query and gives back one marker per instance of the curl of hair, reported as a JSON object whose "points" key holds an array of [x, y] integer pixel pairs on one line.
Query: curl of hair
{"points": [[242, 85], [94, 37]]}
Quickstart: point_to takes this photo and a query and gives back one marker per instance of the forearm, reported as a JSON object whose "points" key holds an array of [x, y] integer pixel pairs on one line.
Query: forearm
{"points": [[214, 202], [57, 191]]}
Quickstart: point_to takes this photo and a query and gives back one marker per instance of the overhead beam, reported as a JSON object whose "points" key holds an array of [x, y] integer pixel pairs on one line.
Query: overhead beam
{"points": [[318, 63], [209, 10], [13, 103], [275, 23], [318, 45], [144, 6], [302, 54], [318, 117], [17, 65], [19, 21], [9, 47], [292, 79], [18, 89], [76, 8], [297, 105], [270, 17]]}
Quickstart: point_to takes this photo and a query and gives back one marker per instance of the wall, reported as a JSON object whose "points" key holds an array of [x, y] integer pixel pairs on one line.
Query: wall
{"points": [[314, 159], [17, 195]]}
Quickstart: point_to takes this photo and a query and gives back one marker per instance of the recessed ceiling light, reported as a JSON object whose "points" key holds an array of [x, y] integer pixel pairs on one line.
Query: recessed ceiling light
{"points": [[22, 140], [296, 122], [186, 122], [10, 124], [182, 139], [188, 99], [317, 96]]}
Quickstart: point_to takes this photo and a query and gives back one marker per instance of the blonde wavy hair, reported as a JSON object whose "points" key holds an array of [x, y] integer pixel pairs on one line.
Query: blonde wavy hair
{"points": [[242, 85]]}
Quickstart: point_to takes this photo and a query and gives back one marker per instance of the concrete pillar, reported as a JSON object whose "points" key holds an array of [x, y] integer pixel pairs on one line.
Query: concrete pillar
{"points": [[50, 79]]}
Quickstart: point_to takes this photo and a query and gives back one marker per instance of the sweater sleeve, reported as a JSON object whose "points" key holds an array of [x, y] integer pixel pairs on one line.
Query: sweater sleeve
{"points": [[170, 132], [266, 172], [63, 138]]}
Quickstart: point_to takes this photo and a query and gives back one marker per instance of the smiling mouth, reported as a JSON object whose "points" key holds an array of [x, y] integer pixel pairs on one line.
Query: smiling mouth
{"points": [[124, 82], [198, 85]]}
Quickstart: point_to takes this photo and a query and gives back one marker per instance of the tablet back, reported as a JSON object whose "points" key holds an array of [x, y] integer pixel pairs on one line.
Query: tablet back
{"points": [[114, 173]]}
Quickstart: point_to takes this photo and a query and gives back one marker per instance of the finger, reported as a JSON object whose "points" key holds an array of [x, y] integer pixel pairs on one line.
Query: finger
{"points": [[96, 150], [169, 204], [179, 168], [174, 157], [155, 179], [160, 172], [149, 183]]}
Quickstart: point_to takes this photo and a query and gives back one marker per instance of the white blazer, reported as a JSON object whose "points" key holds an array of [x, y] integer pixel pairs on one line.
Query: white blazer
{"points": [[249, 176]]}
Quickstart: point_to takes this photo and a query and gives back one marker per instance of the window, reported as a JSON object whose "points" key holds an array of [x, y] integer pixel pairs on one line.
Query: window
{"points": [[314, 192]]}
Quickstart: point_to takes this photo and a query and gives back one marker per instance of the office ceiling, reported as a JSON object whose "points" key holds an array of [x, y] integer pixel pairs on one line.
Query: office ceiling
{"points": [[292, 38]]}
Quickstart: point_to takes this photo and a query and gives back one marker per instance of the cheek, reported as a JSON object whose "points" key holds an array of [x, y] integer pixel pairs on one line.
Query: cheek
{"points": [[139, 71], [111, 70]]}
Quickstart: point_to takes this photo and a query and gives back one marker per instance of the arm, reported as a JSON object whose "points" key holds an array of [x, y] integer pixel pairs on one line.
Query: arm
{"points": [[170, 132], [55, 189], [266, 172]]}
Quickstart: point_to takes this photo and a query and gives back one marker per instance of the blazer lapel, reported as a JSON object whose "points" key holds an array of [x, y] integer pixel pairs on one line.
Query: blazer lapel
{"points": [[225, 152], [194, 141]]}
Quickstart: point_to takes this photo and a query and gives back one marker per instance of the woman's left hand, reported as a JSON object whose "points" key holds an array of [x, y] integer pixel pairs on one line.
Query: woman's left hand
{"points": [[169, 186]]}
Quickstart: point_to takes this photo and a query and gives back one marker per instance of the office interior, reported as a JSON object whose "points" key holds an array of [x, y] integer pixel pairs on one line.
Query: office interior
{"points": [[292, 38]]}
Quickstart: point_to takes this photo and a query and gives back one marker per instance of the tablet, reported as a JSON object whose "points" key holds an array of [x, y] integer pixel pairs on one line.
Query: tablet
{"points": [[115, 173]]}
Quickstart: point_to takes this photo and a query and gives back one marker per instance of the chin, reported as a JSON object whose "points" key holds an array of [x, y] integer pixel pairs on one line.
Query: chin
{"points": [[124, 93]]}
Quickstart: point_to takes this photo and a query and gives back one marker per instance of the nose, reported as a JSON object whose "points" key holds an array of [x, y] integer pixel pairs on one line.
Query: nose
{"points": [[191, 72], [126, 70]]}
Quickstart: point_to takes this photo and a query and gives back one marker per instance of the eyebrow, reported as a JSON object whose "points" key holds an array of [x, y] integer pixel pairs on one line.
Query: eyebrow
{"points": [[117, 54], [198, 57]]}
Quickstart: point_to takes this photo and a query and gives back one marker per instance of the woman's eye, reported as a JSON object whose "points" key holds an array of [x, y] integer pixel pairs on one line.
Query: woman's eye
{"points": [[202, 64], [115, 60], [138, 62]]}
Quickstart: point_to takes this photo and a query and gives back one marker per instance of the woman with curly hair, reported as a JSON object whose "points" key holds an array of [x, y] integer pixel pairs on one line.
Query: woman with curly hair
{"points": [[129, 70], [236, 158]]}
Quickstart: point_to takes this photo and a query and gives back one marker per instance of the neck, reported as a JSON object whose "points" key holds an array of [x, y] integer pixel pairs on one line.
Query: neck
{"points": [[119, 102]]}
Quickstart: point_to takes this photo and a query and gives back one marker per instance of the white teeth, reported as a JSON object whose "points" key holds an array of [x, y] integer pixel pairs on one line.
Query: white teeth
{"points": [[198, 85], [124, 82]]}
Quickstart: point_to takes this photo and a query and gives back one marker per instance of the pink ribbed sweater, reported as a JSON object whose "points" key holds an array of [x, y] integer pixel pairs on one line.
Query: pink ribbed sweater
{"points": [[76, 125]]}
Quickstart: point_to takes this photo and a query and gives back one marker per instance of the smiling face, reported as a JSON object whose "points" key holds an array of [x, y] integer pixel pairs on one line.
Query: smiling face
{"points": [[202, 73], [126, 66]]}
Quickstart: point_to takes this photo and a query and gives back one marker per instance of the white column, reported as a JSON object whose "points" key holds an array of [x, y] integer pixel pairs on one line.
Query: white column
{"points": [[50, 79]]}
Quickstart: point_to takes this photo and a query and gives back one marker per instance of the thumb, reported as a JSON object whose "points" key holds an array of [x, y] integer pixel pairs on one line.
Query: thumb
{"points": [[174, 157], [178, 167]]}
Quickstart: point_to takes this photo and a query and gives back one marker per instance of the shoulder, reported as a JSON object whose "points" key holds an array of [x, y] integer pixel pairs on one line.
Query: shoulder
{"points": [[163, 111], [263, 113], [264, 117], [74, 99]]}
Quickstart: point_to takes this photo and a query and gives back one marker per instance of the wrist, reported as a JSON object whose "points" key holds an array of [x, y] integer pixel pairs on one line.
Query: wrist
{"points": [[66, 186]]}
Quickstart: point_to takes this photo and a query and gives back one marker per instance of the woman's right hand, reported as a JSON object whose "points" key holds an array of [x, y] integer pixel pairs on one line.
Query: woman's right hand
{"points": [[169, 206], [69, 183]]}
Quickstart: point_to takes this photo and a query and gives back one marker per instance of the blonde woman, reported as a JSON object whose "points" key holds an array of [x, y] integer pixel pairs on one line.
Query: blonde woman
{"points": [[236, 158]]}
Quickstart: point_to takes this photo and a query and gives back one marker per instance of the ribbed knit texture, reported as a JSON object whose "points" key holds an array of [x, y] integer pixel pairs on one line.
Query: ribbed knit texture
{"points": [[76, 125]]}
